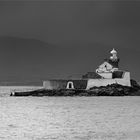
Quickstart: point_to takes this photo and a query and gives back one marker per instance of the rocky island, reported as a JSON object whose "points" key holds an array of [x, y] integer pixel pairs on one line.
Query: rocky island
{"points": [[107, 80]]}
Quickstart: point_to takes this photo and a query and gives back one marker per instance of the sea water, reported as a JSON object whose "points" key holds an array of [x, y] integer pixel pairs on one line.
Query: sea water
{"points": [[69, 118]]}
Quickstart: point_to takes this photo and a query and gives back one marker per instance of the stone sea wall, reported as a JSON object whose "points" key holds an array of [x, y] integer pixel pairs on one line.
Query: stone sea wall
{"points": [[125, 81], [63, 84]]}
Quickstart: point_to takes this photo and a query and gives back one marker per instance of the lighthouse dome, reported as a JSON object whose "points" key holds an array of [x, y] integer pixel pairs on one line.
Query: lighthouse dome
{"points": [[113, 51]]}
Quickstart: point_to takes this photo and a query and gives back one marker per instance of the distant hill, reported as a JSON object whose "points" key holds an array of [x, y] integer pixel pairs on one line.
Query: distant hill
{"points": [[32, 60]]}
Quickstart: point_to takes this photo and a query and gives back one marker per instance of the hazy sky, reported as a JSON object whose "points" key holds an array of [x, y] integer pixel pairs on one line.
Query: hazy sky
{"points": [[80, 24], [62, 21]]}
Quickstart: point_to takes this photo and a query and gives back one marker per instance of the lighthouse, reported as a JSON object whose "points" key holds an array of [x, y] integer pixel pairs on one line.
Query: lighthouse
{"points": [[106, 74], [113, 56], [114, 60], [109, 65]]}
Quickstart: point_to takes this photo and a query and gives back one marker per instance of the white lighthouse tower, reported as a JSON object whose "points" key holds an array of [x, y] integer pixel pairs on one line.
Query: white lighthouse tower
{"points": [[113, 56]]}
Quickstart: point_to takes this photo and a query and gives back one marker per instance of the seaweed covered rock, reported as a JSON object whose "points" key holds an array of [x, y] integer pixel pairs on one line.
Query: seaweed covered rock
{"points": [[110, 90], [117, 90], [135, 85]]}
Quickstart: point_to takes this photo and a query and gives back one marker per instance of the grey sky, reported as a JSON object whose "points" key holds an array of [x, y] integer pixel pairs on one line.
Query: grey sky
{"points": [[75, 24], [59, 21]]}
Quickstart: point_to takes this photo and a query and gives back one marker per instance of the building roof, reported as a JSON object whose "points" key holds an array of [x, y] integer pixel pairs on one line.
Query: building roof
{"points": [[91, 75]]}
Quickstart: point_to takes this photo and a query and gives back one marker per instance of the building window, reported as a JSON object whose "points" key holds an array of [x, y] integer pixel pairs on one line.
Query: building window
{"points": [[70, 85]]}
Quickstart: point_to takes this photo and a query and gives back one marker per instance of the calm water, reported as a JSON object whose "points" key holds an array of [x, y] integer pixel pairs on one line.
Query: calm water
{"points": [[69, 118]]}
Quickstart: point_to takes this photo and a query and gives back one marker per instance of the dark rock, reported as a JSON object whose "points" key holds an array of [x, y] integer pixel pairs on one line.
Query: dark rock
{"points": [[109, 90]]}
